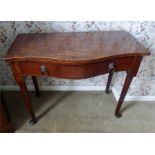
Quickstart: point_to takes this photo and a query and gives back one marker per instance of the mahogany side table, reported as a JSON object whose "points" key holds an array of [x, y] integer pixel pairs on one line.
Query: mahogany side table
{"points": [[74, 55]]}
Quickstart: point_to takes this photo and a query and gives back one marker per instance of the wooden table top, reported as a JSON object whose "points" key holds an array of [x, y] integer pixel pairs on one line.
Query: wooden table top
{"points": [[77, 47]]}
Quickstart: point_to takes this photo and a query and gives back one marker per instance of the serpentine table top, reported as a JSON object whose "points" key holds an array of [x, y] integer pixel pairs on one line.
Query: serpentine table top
{"points": [[75, 47]]}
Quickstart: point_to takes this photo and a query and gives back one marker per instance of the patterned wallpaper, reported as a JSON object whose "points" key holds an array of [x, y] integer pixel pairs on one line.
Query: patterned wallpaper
{"points": [[143, 84]]}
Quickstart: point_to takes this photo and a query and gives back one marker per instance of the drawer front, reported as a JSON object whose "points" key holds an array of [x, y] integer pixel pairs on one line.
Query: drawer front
{"points": [[74, 71], [38, 69]]}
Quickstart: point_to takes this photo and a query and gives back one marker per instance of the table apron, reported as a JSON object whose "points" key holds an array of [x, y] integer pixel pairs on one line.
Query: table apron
{"points": [[73, 71]]}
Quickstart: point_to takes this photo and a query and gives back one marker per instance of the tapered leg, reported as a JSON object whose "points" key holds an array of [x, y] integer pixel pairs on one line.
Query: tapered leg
{"points": [[108, 83], [111, 72], [25, 95], [127, 83], [37, 92]]}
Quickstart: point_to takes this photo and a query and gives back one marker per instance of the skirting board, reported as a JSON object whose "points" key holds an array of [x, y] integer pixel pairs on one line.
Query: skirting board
{"points": [[81, 88]]}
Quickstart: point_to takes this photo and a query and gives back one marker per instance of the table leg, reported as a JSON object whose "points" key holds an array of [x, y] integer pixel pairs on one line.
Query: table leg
{"points": [[24, 92], [108, 83], [37, 92], [127, 83], [111, 72]]}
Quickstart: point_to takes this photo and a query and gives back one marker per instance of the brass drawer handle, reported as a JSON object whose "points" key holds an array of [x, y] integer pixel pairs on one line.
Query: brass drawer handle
{"points": [[44, 70]]}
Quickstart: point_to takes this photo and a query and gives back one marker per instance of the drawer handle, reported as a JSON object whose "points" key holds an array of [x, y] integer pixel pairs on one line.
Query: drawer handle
{"points": [[111, 67], [44, 70]]}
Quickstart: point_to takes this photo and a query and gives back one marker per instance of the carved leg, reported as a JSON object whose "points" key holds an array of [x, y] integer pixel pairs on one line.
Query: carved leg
{"points": [[23, 89], [127, 83], [37, 92], [111, 72]]}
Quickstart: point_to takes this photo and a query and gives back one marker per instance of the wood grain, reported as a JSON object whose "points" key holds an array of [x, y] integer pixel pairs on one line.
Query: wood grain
{"points": [[75, 48]]}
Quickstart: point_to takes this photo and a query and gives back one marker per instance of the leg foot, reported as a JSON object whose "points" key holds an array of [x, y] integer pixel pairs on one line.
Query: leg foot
{"points": [[118, 115], [107, 91], [33, 121], [37, 94]]}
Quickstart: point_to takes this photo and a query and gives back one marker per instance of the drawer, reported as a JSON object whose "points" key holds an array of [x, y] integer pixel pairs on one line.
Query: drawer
{"points": [[37, 68], [73, 71], [63, 71]]}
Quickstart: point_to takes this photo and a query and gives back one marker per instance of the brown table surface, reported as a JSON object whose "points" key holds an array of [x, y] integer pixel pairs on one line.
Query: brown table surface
{"points": [[82, 47]]}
